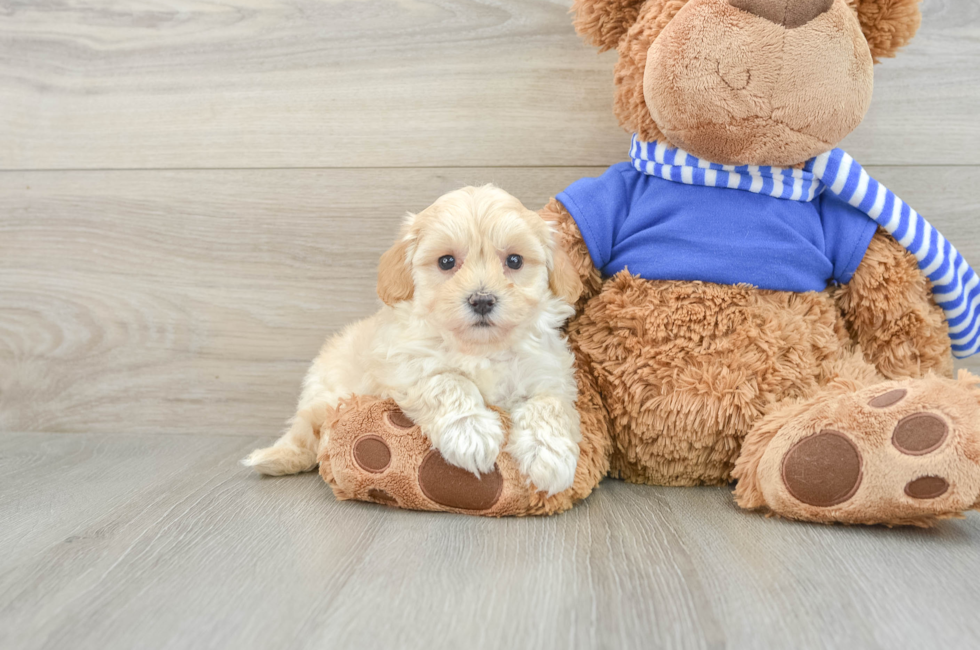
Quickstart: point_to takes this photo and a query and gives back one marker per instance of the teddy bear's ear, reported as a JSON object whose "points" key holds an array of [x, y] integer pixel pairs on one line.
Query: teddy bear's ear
{"points": [[888, 24], [603, 22]]}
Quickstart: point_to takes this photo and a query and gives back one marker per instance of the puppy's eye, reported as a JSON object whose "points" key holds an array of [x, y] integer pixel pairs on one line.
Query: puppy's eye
{"points": [[447, 262], [515, 262]]}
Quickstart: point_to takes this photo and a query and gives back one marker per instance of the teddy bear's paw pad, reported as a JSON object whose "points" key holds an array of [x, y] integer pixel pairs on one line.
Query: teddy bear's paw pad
{"points": [[927, 487], [823, 470], [891, 398], [397, 418], [372, 454], [455, 487], [919, 434]]}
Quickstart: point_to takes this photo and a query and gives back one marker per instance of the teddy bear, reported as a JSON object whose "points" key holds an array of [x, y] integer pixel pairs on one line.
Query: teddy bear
{"points": [[756, 307]]}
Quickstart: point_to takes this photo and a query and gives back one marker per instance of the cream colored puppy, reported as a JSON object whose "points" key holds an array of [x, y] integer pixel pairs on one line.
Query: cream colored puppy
{"points": [[475, 294]]}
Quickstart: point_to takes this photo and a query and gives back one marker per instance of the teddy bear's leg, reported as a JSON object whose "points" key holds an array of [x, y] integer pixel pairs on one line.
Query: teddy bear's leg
{"points": [[868, 451], [376, 453], [889, 311]]}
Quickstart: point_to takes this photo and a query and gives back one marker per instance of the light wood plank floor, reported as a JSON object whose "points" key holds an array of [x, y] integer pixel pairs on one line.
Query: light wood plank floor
{"points": [[162, 541], [194, 193]]}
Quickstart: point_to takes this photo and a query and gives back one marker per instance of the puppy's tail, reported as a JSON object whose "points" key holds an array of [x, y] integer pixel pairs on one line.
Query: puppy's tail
{"points": [[280, 459]]}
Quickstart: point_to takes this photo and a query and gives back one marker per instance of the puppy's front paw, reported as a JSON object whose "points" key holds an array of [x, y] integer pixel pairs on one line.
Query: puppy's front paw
{"points": [[473, 442], [549, 463]]}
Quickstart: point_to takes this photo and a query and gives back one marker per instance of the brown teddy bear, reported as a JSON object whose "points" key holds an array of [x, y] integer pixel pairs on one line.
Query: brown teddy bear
{"points": [[756, 307]]}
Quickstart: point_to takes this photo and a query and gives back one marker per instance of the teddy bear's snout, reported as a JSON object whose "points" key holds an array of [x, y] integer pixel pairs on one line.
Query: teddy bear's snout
{"points": [[758, 82], [788, 13]]}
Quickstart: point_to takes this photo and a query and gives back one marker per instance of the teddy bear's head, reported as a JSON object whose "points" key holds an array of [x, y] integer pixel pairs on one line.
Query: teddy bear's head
{"points": [[746, 82]]}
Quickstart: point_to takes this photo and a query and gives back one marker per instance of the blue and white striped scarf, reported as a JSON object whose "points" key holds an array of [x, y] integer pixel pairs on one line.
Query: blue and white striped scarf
{"points": [[954, 283]]}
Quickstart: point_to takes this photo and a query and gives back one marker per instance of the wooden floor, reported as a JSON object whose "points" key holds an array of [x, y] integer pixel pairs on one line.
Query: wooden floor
{"points": [[162, 541], [194, 193]]}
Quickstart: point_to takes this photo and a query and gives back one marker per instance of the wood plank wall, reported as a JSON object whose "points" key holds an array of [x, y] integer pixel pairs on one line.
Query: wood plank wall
{"points": [[194, 193]]}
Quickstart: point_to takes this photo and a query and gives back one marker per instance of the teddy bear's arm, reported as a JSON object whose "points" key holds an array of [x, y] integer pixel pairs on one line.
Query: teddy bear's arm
{"points": [[571, 240], [889, 310]]}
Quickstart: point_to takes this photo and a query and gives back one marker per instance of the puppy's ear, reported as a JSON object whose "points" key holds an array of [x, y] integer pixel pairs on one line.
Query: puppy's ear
{"points": [[395, 282], [564, 280]]}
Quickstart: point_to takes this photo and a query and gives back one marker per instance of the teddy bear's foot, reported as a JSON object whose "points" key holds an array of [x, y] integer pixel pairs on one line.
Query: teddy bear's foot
{"points": [[375, 453], [897, 453]]}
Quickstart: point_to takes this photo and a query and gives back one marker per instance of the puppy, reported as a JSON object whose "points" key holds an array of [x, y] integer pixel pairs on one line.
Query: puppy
{"points": [[475, 294]]}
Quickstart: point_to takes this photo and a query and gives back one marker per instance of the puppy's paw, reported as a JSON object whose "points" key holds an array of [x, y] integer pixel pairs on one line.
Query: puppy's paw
{"points": [[548, 462], [281, 459], [473, 442]]}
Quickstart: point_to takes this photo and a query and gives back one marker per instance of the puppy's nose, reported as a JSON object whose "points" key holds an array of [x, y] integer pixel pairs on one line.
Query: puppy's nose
{"points": [[788, 13], [482, 303]]}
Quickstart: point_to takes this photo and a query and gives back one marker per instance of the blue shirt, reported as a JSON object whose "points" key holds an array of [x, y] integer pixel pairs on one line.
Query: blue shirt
{"points": [[664, 230]]}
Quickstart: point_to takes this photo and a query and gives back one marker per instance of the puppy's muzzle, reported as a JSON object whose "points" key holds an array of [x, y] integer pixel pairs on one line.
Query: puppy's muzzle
{"points": [[482, 303]]}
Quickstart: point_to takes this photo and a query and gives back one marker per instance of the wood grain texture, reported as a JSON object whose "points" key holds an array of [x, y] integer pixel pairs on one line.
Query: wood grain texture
{"points": [[191, 301], [121, 541], [369, 83]]}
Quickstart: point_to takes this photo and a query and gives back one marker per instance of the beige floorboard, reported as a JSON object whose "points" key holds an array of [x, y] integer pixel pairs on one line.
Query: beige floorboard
{"points": [[407, 83], [154, 541], [192, 301]]}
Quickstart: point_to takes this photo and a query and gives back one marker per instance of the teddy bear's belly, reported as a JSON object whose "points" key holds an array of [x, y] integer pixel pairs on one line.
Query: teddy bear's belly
{"points": [[688, 367]]}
